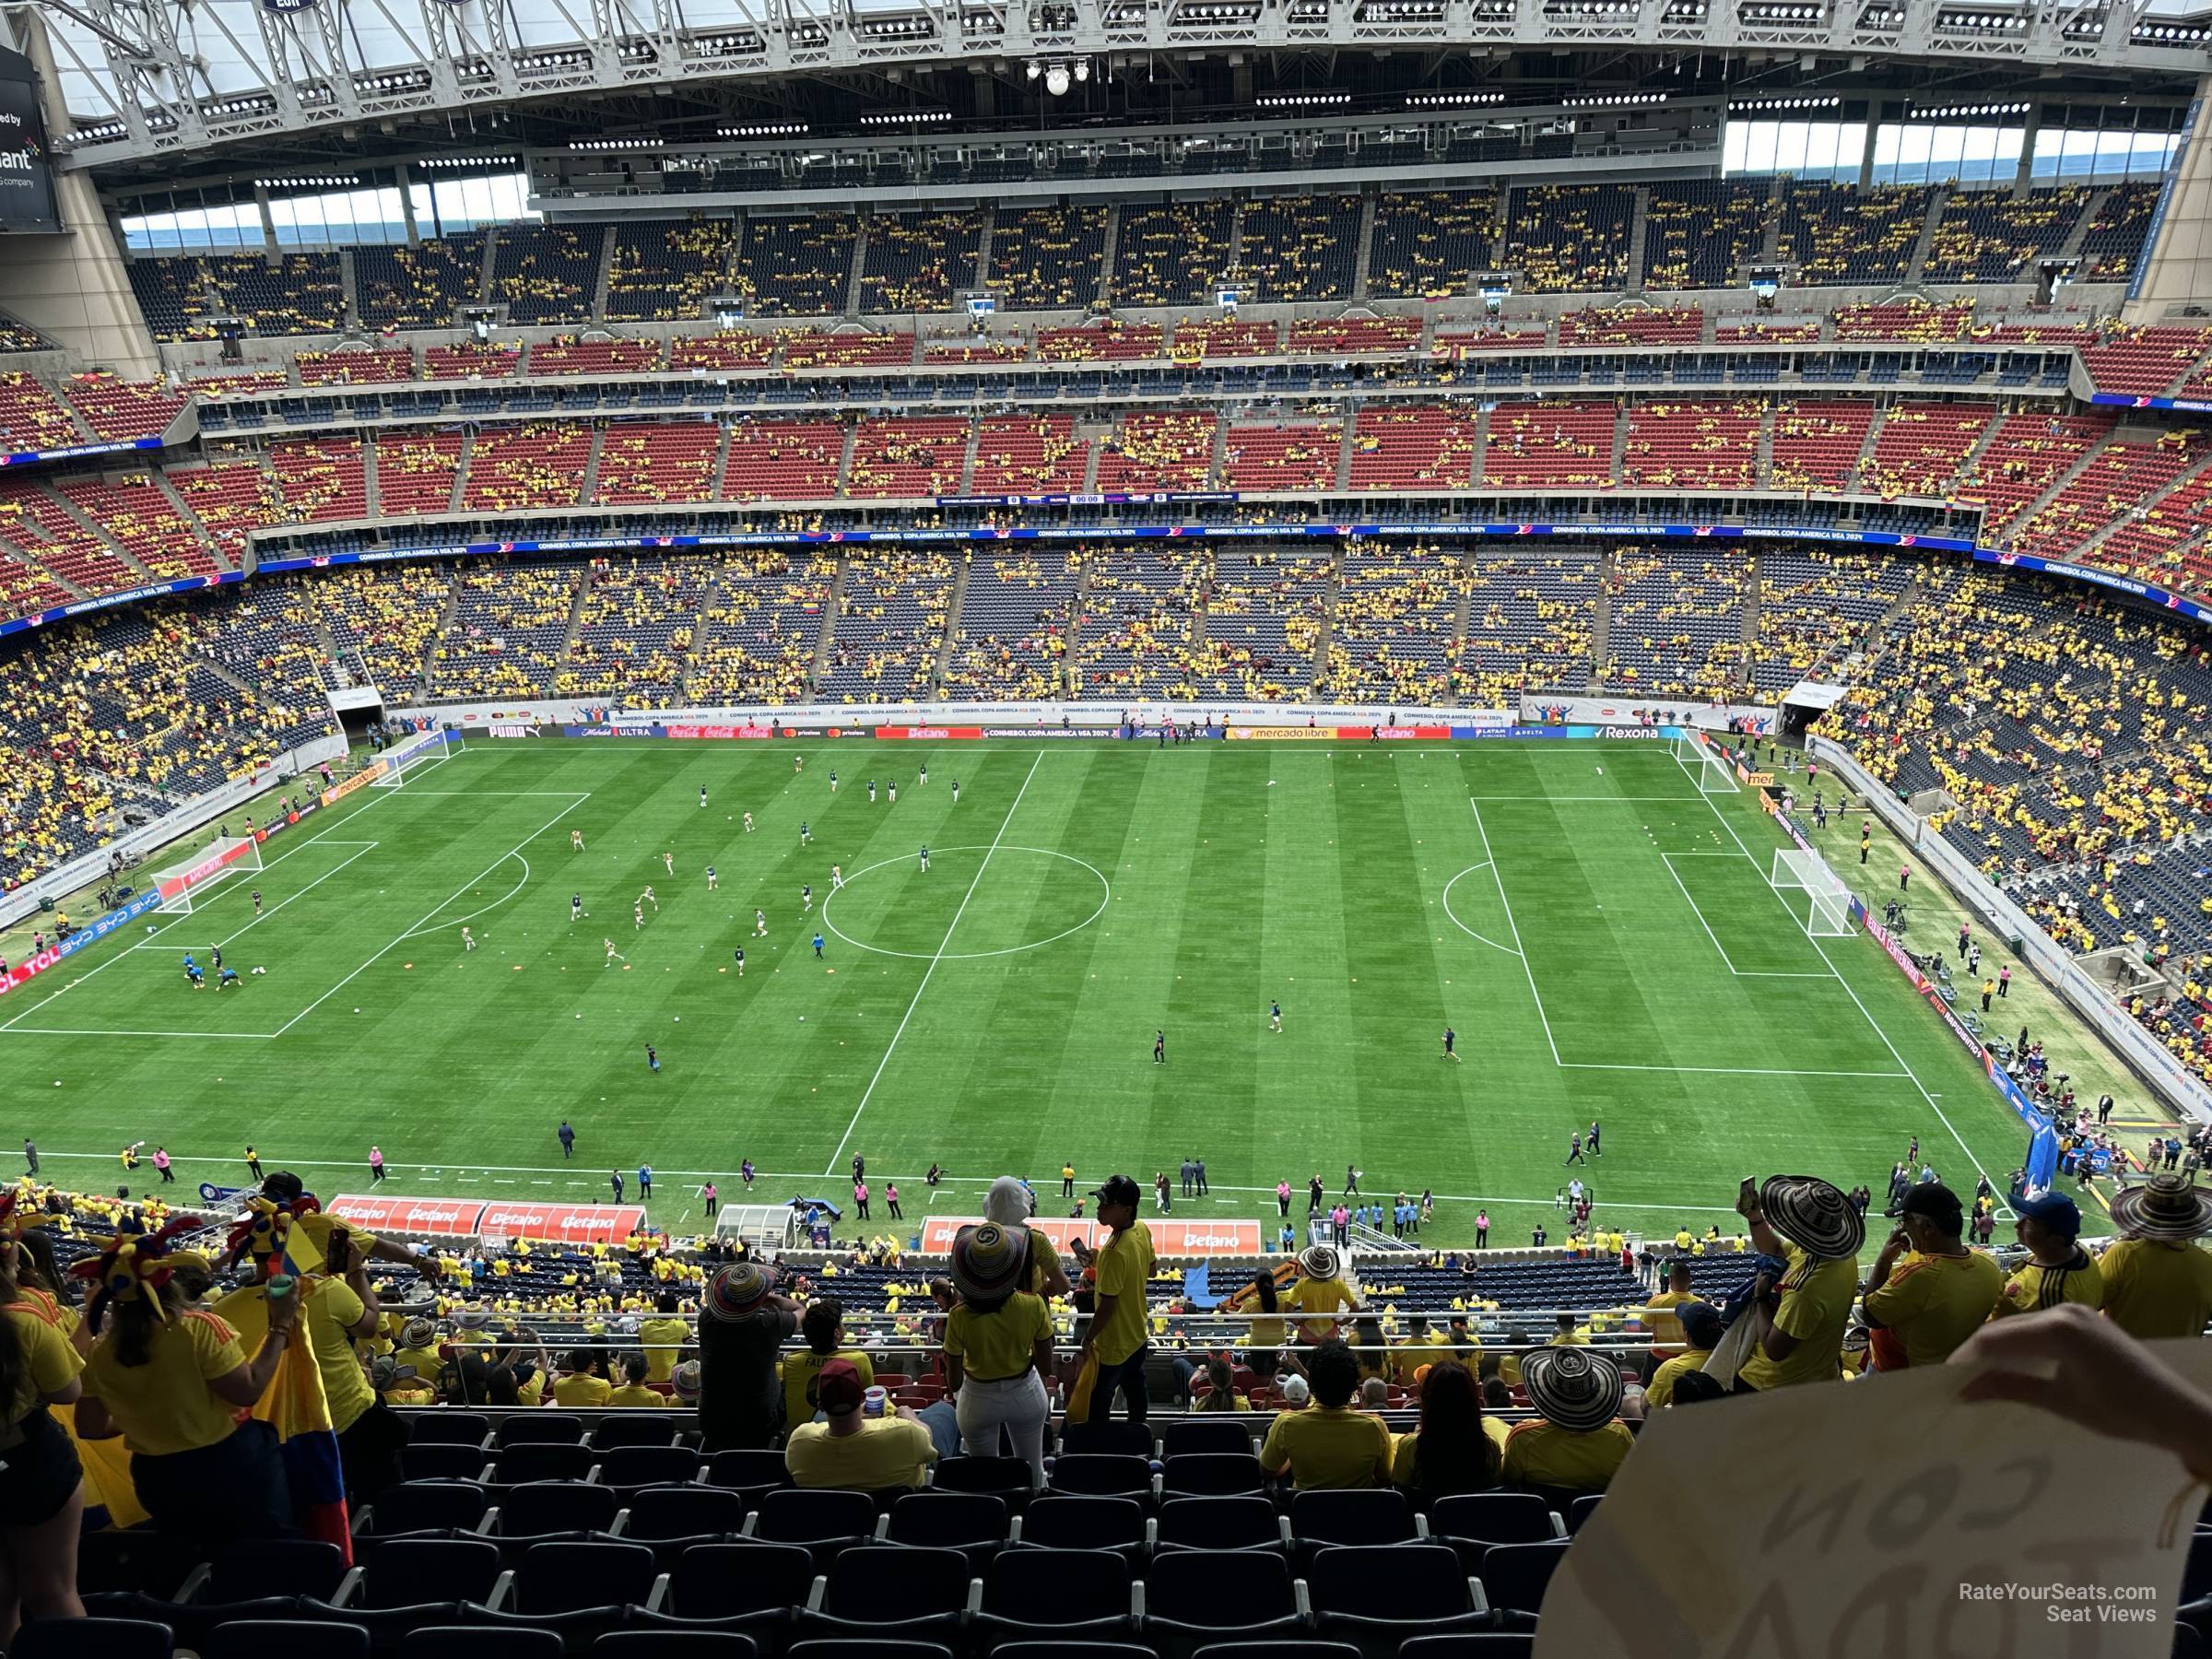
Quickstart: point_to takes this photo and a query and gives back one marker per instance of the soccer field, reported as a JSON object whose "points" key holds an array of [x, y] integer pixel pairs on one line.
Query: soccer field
{"points": [[1602, 937]]}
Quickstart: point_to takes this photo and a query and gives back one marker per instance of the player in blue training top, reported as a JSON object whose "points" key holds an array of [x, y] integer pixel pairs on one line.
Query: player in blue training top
{"points": [[1275, 1015], [925, 860], [229, 977], [711, 882], [740, 961], [806, 897], [805, 835], [191, 967], [193, 973], [818, 946]]}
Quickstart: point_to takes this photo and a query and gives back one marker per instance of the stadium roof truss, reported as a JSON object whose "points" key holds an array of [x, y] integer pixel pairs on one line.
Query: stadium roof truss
{"points": [[149, 77]]}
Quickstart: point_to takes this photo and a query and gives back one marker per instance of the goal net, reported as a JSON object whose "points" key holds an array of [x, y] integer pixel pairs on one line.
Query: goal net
{"points": [[403, 761], [182, 887], [1827, 911], [1707, 766]]}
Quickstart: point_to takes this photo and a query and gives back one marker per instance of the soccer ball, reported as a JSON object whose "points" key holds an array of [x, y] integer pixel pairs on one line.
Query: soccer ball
{"points": [[802, 1019]]}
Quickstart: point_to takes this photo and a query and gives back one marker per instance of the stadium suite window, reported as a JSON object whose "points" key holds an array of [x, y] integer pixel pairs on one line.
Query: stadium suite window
{"points": [[337, 219]]}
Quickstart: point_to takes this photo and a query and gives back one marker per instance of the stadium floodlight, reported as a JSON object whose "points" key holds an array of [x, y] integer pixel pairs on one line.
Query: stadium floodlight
{"points": [[180, 885], [1827, 912], [1056, 81], [1707, 766], [404, 761]]}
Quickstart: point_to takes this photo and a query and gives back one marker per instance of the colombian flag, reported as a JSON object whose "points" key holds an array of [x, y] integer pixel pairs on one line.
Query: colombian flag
{"points": [[296, 1407]]}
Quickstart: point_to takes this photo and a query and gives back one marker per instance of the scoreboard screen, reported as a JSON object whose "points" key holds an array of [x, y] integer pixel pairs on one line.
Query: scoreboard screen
{"points": [[25, 164]]}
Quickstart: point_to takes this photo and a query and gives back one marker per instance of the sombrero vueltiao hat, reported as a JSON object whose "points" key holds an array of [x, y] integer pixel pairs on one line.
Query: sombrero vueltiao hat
{"points": [[1814, 1215], [1576, 1388], [2165, 1206], [739, 1291], [988, 1261], [1320, 1261]]}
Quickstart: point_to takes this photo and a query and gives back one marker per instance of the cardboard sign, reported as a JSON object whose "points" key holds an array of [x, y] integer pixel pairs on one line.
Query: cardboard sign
{"points": [[1881, 1519]]}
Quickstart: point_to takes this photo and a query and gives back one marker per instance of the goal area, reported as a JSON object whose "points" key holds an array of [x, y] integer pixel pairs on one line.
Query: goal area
{"points": [[182, 887], [1826, 910], [404, 761], [1707, 766]]}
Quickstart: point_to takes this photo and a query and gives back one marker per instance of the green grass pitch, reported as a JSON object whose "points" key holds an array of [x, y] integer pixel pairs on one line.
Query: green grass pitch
{"points": [[1602, 937]]}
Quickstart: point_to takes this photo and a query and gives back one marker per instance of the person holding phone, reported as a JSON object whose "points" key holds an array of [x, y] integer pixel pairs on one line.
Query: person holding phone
{"points": [[171, 1379], [1800, 1314]]}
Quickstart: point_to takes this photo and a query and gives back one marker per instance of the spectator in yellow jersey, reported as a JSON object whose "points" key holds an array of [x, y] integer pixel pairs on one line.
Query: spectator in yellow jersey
{"points": [[1800, 1318], [1419, 1349], [1451, 1450], [417, 1346], [998, 1346], [1923, 1306], [41, 1481], [1329, 1445], [1580, 1443], [663, 1337], [1702, 1330], [1120, 1327], [398, 1384], [173, 1381], [1665, 1324], [633, 1391], [823, 1326], [849, 1449], [1320, 1289], [2058, 1269], [580, 1382], [2157, 1282]]}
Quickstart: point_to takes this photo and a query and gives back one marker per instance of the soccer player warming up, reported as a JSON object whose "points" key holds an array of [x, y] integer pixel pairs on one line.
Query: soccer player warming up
{"points": [[612, 956], [468, 940], [668, 863], [748, 823], [1275, 1015], [576, 841], [1451, 1043], [760, 924], [711, 882], [925, 861], [576, 907]]}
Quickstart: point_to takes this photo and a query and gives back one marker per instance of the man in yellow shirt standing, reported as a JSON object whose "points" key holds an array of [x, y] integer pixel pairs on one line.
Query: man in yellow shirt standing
{"points": [[1120, 1329], [2058, 1269], [1702, 1333], [663, 1338], [1922, 1308], [1664, 1324], [1321, 1289], [1816, 1232], [2157, 1282]]}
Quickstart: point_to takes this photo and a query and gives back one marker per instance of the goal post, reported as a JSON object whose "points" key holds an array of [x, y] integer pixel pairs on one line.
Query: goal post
{"points": [[180, 886], [403, 759], [1826, 910], [1708, 769]]}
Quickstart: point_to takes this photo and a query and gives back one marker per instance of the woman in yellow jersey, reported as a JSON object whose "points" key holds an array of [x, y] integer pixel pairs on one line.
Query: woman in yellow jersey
{"points": [[42, 1486], [1221, 1393], [1452, 1450], [998, 1345], [170, 1380]]}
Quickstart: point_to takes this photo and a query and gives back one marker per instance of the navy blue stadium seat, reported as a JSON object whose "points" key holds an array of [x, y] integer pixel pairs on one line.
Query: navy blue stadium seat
{"points": [[892, 1590], [448, 1428], [975, 1523], [578, 1590], [258, 1638], [545, 1509], [751, 1588], [852, 1647], [749, 1470], [247, 1568], [517, 1465], [1514, 1576], [1210, 1523], [427, 1506], [676, 1644], [1493, 1518], [439, 1460], [683, 1516], [155, 1563], [480, 1642], [1100, 1474], [93, 1638], [1581, 1509], [647, 1465], [1004, 1477], [540, 1428], [1212, 1475], [1184, 1436], [634, 1429], [1188, 1604], [1082, 1595], [1068, 1522], [1384, 1594], [1378, 1516], [825, 1524]]}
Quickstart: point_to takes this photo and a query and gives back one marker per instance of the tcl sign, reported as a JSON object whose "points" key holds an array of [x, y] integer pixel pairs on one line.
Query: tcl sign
{"points": [[37, 964]]}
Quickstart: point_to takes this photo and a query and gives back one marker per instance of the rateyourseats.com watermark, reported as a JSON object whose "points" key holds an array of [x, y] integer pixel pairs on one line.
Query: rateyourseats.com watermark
{"points": [[2072, 1604]]}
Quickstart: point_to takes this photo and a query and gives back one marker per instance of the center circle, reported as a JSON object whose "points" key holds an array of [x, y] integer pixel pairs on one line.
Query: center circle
{"points": [[904, 912]]}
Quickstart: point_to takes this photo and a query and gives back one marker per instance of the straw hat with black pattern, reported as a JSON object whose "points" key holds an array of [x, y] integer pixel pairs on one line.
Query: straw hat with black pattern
{"points": [[1320, 1261], [1576, 1388], [1814, 1215], [2165, 1206]]}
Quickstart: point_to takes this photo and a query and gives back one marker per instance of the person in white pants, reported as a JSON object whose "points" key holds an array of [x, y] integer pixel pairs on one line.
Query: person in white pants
{"points": [[998, 1346]]}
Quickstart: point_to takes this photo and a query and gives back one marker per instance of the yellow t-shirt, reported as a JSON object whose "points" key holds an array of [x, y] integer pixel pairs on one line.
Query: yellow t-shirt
{"points": [[1267, 1332], [2156, 1288], [329, 1311], [578, 1388], [2033, 1287], [887, 1452], [1405, 1463], [1329, 1448], [1815, 1306], [49, 1361], [427, 1362], [1660, 1391], [165, 1404], [1930, 1305], [1124, 1269], [1546, 1455], [1667, 1328], [664, 1341], [1044, 1261], [799, 1372], [631, 1393], [1318, 1295], [996, 1345]]}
